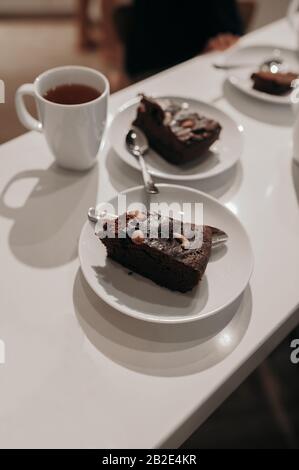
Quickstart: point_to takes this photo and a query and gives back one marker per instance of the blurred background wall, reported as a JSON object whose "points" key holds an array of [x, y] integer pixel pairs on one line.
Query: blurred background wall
{"points": [[33, 6], [268, 11], [264, 14]]}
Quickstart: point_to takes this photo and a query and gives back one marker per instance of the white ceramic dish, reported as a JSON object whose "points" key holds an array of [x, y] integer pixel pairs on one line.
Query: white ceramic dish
{"points": [[222, 155], [240, 78], [226, 277]]}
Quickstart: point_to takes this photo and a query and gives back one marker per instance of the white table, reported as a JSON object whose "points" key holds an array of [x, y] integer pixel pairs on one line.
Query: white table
{"points": [[77, 373]]}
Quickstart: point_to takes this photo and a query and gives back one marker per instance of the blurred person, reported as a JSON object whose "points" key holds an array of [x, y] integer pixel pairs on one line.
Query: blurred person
{"points": [[165, 33], [157, 34]]}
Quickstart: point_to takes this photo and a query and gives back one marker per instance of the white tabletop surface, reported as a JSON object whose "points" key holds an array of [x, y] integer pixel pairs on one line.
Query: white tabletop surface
{"points": [[77, 373]]}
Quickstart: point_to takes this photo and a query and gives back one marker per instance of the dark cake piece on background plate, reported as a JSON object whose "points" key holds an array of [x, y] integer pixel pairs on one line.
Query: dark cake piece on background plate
{"points": [[176, 256], [178, 135], [274, 83]]}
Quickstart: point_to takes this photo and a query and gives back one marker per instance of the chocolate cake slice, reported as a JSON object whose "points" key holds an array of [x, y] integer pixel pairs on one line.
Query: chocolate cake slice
{"points": [[170, 253], [176, 134], [273, 83]]}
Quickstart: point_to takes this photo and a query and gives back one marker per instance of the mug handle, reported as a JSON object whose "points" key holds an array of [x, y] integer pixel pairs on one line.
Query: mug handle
{"points": [[291, 13], [24, 116]]}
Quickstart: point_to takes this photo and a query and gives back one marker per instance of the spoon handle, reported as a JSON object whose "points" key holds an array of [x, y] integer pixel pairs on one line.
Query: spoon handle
{"points": [[232, 66], [149, 184]]}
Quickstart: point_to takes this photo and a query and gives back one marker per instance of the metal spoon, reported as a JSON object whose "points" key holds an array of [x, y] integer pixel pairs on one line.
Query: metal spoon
{"points": [[239, 65], [273, 64], [94, 216], [218, 236], [137, 145]]}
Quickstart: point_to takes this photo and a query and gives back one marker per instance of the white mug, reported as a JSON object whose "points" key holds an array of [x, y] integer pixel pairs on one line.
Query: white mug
{"points": [[292, 17], [74, 133]]}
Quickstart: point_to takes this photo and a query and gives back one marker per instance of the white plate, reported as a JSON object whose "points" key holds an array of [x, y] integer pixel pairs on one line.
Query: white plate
{"points": [[226, 277], [222, 155], [240, 78]]}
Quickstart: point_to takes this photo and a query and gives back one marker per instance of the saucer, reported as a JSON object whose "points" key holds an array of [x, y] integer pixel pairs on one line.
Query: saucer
{"points": [[227, 274], [222, 155]]}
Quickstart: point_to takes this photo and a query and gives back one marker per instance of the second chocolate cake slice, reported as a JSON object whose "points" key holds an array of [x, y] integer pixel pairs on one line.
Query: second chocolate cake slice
{"points": [[160, 248], [176, 134], [274, 83]]}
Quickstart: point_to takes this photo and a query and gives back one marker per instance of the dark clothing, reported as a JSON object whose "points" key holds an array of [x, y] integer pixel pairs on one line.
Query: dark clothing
{"points": [[163, 33]]}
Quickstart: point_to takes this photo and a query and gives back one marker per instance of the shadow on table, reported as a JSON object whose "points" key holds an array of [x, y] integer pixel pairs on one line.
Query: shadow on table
{"points": [[122, 176], [46, 226], [157, 349], [278, 115]]}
